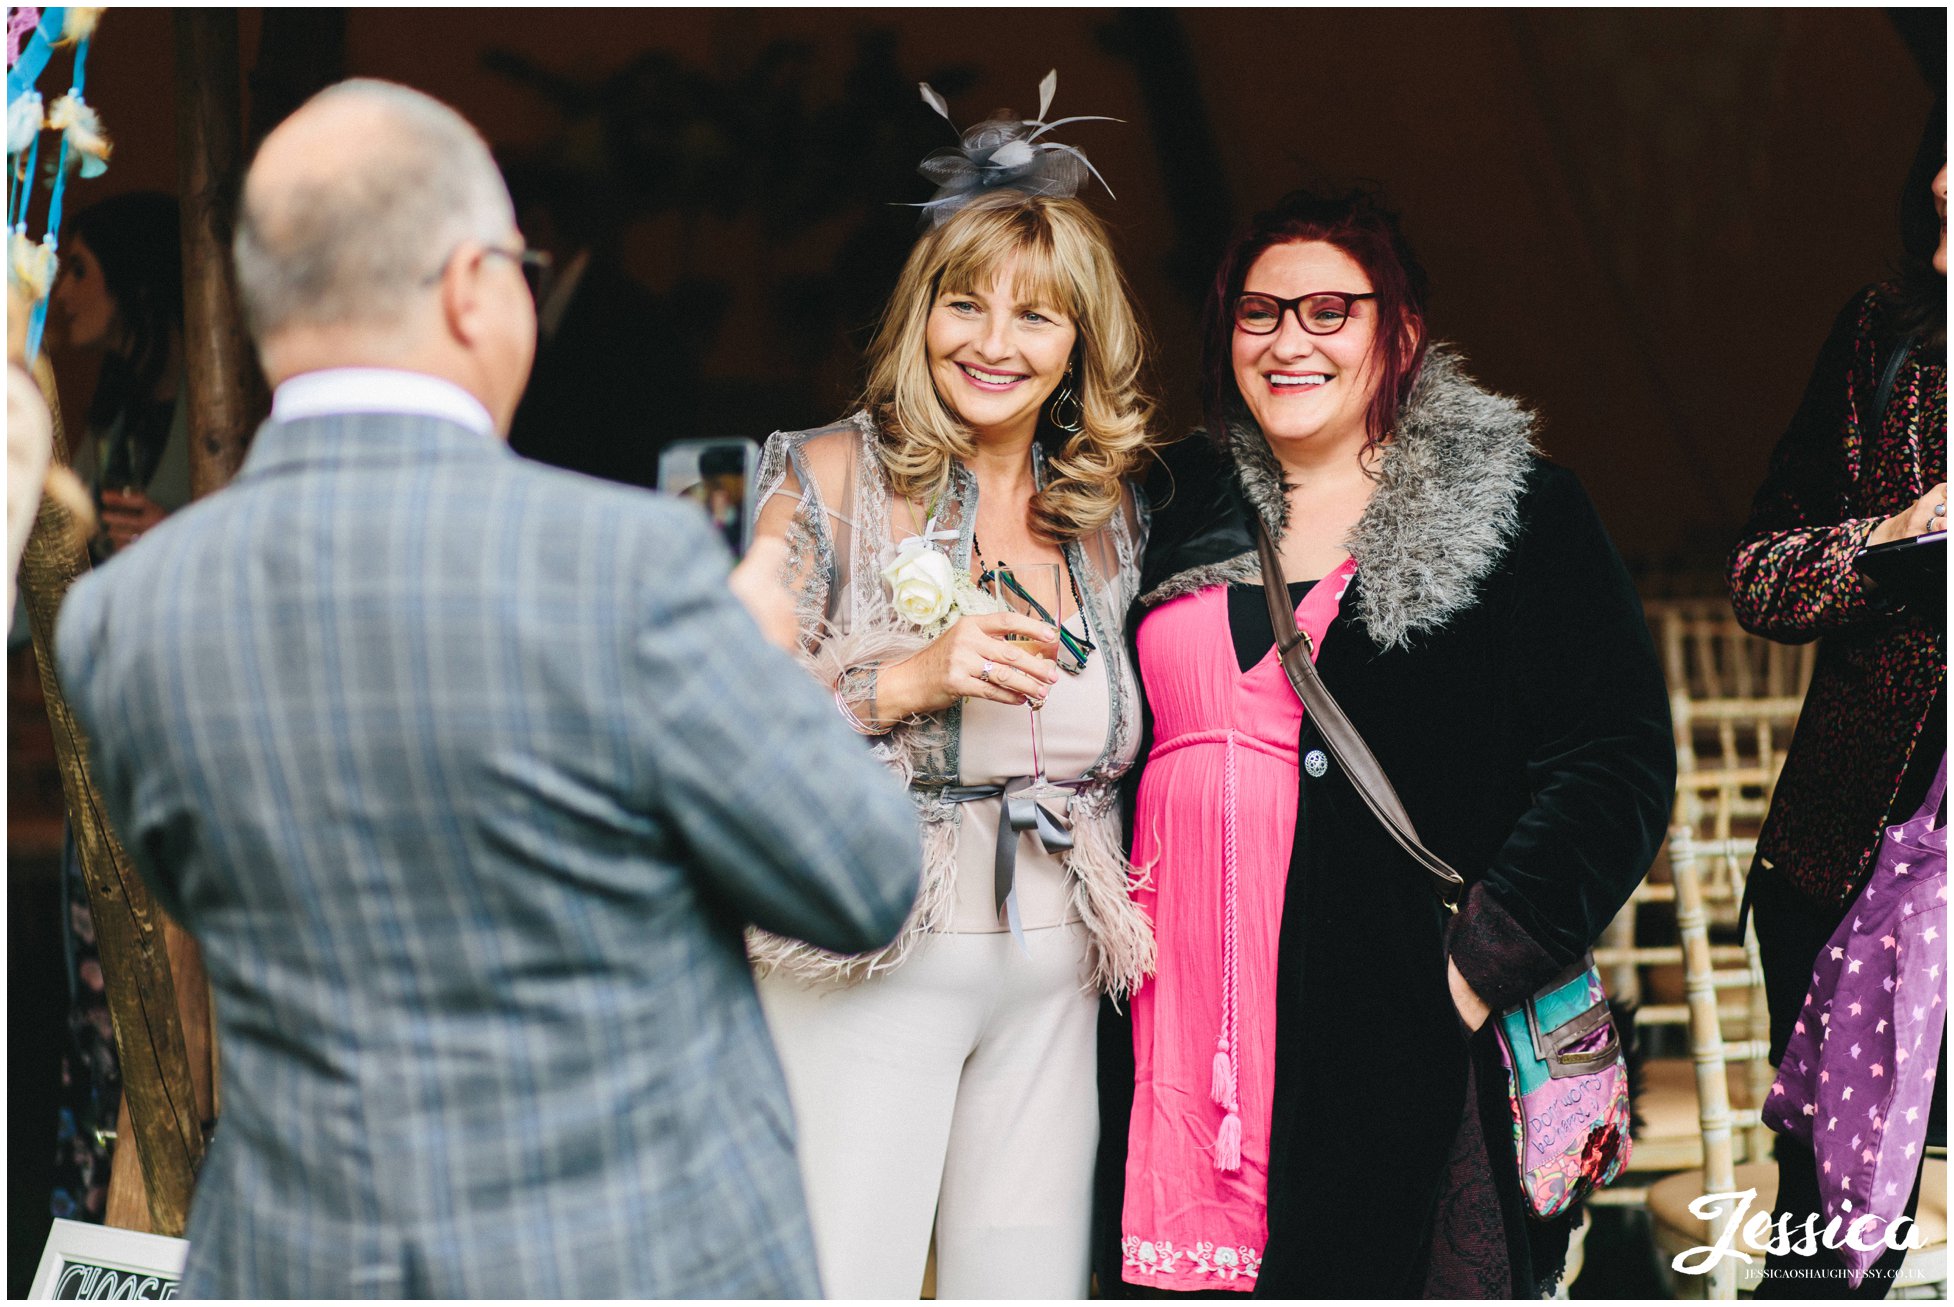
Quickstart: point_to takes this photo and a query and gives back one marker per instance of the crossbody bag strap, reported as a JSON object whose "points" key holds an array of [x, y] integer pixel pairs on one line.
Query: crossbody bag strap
{"points": [[1345, 744], [1902, 351]]}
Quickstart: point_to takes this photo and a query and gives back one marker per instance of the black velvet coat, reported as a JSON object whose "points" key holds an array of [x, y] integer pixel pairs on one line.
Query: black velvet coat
{"points": [[1493, 653]]}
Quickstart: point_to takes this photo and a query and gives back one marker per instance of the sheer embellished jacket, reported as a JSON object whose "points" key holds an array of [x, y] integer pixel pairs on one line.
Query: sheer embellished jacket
{"points": [[843, 523]]}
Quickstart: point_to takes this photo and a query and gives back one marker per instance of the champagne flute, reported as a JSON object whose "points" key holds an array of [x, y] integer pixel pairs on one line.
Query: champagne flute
{"points": [[1035, 590]]}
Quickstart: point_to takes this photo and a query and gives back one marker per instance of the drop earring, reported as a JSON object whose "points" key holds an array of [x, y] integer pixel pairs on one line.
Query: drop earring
{"points": [[1067, 422]]}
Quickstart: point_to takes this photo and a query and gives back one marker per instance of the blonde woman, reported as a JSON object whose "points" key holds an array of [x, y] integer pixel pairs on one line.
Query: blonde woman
{"points": [[950, 1076]]}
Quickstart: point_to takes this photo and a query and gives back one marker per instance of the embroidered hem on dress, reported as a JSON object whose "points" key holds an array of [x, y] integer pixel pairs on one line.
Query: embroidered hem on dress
{"points": [[1225, 1262]]}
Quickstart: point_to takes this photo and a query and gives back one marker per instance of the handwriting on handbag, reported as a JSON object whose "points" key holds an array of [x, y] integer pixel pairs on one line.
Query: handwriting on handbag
{"points": [[1776, 1234]]}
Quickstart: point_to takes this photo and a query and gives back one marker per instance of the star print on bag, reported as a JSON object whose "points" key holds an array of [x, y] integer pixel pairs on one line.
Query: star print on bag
{"points": [[1887, 945]]}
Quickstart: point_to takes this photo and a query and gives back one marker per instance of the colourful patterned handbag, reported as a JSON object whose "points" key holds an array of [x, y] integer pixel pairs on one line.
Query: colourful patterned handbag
{"points": [[1568, 1084], [1566, 1077]]}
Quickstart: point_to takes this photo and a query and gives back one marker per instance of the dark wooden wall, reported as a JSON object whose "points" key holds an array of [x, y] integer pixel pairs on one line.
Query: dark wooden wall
{"points": [[1641, 221]]}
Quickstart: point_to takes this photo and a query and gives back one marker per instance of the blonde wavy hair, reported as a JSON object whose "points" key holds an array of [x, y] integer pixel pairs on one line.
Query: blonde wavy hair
{"points": [[1066, 260]]}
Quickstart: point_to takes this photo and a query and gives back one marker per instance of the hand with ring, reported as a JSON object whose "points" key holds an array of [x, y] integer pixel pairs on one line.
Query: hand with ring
{"points": [[1002, 656], [1927, 513]]}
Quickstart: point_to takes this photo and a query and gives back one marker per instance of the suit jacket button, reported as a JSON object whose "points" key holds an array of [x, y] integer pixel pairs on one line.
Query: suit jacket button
{"points": [[1315, 763]]}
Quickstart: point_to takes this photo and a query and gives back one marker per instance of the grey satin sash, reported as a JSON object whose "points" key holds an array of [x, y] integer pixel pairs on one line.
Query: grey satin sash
{"points": [[1021, 813]]}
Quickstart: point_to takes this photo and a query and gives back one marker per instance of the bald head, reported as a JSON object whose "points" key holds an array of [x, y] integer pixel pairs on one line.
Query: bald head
{"points": [[353, 203]]}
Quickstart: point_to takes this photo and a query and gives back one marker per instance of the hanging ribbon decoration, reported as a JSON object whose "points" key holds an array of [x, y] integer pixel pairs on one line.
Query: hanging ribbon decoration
{"points": [[85, 147], [24, 71]]}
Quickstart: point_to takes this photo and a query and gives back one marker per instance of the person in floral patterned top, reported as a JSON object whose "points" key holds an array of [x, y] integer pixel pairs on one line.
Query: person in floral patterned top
{"points": [[1863, 463]]}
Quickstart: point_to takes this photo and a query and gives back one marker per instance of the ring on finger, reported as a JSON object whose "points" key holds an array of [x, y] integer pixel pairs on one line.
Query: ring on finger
{"points": [[984, 672], [1940, 510]]}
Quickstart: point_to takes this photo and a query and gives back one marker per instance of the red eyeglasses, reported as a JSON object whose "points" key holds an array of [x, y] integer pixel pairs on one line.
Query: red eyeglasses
{"points": [[1320, 313]]}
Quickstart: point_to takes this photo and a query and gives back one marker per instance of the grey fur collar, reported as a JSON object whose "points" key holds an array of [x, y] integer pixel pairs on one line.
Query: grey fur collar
{"points": [[1445, 508], [1242, 569]]}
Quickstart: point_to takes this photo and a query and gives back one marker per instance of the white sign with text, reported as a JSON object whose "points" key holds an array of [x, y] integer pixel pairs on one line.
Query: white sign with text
{"points": [[84, 1261]]}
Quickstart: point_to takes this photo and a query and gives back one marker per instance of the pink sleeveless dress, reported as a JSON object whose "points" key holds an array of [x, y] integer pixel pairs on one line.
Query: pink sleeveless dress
{"points": [[1214, 826]]}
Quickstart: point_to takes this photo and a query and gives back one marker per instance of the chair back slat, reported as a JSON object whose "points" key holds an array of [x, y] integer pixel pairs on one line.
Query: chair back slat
{"points": [[1722, 1033]]}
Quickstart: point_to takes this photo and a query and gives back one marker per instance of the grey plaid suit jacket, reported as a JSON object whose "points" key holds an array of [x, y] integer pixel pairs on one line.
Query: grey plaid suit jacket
{"points": [[467, 774]]}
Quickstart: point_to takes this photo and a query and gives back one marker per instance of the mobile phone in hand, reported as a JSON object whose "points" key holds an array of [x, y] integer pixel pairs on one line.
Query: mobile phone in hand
{"points": [[718, 475], [1912, 571]]}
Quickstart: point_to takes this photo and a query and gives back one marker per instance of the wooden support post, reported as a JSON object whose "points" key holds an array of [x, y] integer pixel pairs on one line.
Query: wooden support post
{"points": [[165, 1121], [162, 980], [227, 394]]}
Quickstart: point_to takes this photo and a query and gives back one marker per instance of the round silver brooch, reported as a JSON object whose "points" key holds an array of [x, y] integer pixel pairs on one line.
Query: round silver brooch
{"points": [[1315, 763]]}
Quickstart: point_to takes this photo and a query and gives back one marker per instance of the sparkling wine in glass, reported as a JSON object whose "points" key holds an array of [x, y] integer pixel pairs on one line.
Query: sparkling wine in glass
{"points": [[1035, 590]]}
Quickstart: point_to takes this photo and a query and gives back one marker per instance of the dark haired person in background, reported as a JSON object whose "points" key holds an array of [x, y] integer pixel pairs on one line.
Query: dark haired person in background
{"points": [[1848, 474], [1313, 1000], [119, 296]]}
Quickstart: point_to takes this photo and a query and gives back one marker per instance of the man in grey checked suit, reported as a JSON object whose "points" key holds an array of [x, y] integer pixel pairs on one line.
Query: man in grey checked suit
{"points": [[467, 773]]}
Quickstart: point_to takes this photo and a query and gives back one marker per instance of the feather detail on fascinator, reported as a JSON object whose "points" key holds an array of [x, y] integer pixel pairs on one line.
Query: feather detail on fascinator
{"points": [[1005, 153]]}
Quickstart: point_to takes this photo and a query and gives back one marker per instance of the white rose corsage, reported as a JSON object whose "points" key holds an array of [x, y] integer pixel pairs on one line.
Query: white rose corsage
{"points": [[929, 591]]}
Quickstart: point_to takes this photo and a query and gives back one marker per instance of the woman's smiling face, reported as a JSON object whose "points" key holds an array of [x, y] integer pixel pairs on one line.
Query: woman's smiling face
{"points": [[996, 358], [1302, 387]]}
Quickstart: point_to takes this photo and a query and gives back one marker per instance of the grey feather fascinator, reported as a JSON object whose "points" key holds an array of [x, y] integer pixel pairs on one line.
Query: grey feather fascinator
{"points": [[1005, 152]]}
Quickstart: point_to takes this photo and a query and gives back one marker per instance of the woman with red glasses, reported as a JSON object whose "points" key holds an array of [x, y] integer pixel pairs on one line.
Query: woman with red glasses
{"points": [[1307, 1102]]}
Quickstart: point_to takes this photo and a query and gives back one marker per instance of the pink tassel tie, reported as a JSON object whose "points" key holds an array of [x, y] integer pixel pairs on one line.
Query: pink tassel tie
{"points": [[1224, 1085], [1228, 1144]]}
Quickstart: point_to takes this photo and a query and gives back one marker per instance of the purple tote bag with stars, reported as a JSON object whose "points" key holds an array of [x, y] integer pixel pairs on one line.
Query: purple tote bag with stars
{"points": [[1858, 1073]]}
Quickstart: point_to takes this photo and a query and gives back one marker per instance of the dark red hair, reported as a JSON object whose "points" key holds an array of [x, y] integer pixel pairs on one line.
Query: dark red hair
{"points": [[1358, 223]]}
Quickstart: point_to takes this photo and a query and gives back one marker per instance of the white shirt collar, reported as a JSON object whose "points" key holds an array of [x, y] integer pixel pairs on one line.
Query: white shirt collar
{"points": [[333, 391]]}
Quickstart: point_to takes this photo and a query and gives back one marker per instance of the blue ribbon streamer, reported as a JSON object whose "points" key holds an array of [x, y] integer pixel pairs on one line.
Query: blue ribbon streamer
{"points": [[24, 188], [34, 56], [34, 326], [20, 79], [60, 188]]}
